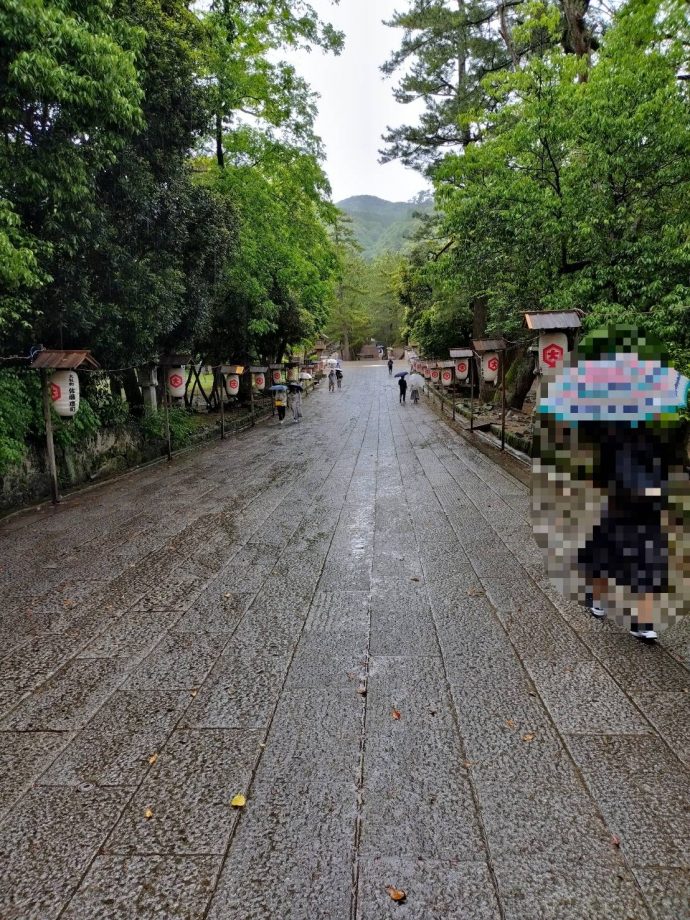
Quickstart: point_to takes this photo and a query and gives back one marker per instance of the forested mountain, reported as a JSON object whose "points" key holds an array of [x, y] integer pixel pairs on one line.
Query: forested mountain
{"points": [[383, 226]]}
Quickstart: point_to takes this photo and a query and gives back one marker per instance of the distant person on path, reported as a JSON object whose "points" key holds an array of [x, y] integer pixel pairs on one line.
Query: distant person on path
{"points": [[402, 383], [295, 401], [280, 403], [331, 381], [339, 377], [390, 367]]}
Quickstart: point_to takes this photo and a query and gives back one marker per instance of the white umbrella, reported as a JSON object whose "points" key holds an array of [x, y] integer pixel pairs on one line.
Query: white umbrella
{"points": [[305, 376], [415, 380], [332, 361]]}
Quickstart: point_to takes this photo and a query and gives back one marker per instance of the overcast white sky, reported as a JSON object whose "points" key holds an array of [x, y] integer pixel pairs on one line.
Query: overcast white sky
{"points": [[356, 101]]}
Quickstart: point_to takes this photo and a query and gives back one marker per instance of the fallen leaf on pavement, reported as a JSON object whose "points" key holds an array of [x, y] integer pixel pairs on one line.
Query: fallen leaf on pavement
{"points": [[474, 592], [414, 578], [239, 800], [193, 692], [362, 689], [616, 841], [510, 723], [153, 758], [528, 737], [148, 813], [467, 763], [396, 894], [395, 714]]}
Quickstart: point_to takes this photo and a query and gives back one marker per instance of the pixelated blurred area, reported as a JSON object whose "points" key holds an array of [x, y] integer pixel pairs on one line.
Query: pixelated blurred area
{"points": [[611, 490]]}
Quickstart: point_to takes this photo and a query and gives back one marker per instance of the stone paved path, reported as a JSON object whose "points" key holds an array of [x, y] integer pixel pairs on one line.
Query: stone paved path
{"points": [[253, 619]]}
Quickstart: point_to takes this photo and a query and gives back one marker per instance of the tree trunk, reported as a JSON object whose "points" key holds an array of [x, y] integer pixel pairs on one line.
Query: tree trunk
{"points": [[132, 390], [519, 379], [345, 345], [220, 156]]}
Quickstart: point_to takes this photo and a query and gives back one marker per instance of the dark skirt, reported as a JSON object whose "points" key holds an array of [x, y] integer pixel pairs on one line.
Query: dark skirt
{"points": [[630, 551]]}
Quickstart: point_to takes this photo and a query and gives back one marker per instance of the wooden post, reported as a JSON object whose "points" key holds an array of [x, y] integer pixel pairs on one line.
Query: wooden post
{"points": [[452, 390], [166, 402], [251, 398], [50, 446], [503, 400], [220, 374], [472, 372]]}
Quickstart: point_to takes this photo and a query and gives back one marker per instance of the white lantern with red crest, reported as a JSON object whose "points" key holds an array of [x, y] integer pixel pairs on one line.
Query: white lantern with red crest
{"points": [[490, 365], [277, 375], [233, 384], [462, 368], [553, 347], [64, 393], [259, 380], [293, 374], [435, 375], [447, 376], [175, 382]]}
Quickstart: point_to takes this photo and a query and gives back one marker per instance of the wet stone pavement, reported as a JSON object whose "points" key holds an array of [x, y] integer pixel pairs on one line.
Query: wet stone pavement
{"points": [[346, 621]]}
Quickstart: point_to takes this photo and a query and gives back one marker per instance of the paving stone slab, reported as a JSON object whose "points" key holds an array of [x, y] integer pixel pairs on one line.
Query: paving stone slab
{"points": [[96, 759], [145, 887], [404, 638], [584, 698], [180, 661], [636, 666], [667, 891], [644, 794], [400, 671], [23, 758], [47, 843], [213, 615], [69, 699], [32, 663], [238, 670], [140, 710], [324, 669], [451, 889], [540, 891], [223, 708], [295, 855], [189, 791], [132, 635], [669, 713], [338, 610], [426, 708]]}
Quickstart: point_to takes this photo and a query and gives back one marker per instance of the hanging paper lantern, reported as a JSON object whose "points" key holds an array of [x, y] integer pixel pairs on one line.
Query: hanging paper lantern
{"points": [[233, 384], [435, 375], [175, 382], [64, 393], [427, 372], [277, 376], [293, 374], [553, 347], [259, 381], [446, 376], [490, 365], [462, 368]]}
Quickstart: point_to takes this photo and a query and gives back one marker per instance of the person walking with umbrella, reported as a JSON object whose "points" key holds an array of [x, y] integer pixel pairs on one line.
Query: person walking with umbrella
{"points": [[622, 404], [331, 380], [415, 383], [295, 400], [280, 400]]}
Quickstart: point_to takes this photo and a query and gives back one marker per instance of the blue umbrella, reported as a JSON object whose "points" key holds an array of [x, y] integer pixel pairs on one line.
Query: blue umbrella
{"points": [[402, 374], [278, 386]]}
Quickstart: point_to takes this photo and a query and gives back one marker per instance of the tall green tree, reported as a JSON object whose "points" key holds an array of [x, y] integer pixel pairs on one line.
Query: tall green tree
{"points": [[69, 95]]}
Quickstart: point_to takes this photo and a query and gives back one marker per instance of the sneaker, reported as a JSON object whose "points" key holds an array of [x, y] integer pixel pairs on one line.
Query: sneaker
{"points": [[643, 631], [597, 611]]}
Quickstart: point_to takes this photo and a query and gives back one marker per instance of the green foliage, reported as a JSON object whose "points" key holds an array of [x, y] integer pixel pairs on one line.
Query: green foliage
{"points": [[578, 194], [384, 226], [17, 418], [78, 430], [152, 426]]}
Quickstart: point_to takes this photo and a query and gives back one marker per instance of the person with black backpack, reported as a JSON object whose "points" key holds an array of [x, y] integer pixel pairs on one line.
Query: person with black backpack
{"points": [[390, 367], [339, 377]]}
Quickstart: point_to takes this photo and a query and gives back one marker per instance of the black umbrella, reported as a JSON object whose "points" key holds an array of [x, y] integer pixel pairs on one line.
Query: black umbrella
{"points": [[402, 374], [295, 386]]}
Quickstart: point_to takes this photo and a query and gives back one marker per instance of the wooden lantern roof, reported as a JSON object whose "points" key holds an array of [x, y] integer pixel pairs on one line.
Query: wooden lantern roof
{"points": [[69, 360]]}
